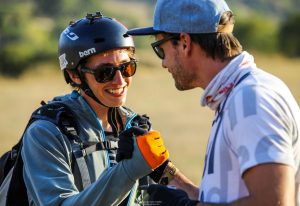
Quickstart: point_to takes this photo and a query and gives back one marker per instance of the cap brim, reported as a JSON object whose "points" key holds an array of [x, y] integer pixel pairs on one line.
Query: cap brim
{"points": [[142, 31]]}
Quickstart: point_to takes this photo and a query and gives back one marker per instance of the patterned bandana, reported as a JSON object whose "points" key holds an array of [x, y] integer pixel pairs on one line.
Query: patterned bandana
{"points": [[225, 80]]}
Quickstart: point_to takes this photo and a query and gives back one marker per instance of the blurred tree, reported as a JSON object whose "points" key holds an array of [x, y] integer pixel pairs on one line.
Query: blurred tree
{"points": [[257, 33], [288, 37], [47, 8], [16, 49], [30, 29]]}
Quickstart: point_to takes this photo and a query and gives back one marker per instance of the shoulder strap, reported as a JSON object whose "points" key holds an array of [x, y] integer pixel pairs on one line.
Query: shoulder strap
{"points": [[17, 185], [62, 116]]}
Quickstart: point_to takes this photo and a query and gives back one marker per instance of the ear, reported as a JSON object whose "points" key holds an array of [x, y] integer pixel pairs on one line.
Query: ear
{"points": [[74, 77], [186, 43]]}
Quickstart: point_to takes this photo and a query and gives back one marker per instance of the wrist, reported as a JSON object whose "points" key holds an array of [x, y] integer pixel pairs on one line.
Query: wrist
{"points": [[169, 173]]}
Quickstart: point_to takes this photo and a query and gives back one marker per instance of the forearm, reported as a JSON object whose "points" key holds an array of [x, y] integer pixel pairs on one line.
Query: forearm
{"points": [[246, 201], [99, 193], [50, 180], [182, 182]]}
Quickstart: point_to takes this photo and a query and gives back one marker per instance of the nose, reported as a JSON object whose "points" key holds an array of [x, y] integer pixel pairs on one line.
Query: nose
{"points": [[118, 78], [163, 64]]}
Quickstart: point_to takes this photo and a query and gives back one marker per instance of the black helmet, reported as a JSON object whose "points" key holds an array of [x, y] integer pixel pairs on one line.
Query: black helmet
{"points": [[88, 36]]}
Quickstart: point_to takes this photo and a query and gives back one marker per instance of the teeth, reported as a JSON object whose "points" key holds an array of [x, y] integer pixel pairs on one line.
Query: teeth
{"points": [[116, 91]]}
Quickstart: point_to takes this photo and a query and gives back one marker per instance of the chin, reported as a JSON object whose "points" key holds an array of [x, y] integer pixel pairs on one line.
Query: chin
{"points": [[117, 104]]}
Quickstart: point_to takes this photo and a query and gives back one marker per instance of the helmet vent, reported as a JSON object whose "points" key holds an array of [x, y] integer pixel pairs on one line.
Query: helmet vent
{"points": [[99, 40], [94, 16]]}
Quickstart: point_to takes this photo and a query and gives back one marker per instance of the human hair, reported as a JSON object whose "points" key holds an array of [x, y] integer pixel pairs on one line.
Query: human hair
{"points": [[218, 45], [130, 51]]}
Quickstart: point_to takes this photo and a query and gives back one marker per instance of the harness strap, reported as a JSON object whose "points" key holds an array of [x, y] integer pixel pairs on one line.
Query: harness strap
{"points": [[83, 169], [115, 120], [87, 148], [80, 150]]}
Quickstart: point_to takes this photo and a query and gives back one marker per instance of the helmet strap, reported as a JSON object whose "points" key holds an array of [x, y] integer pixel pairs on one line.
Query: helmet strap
{"points": [[87, 90], [114, 118]]}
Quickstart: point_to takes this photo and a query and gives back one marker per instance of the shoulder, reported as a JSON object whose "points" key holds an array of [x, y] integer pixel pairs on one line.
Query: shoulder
{"points": [[43, 134], [258, 90]]}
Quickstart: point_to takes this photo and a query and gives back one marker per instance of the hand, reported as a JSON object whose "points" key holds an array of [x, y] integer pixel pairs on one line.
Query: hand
{"points": [[150, 145], [142, 121], [164, 173], [125, 150], [166, 196], [125, 143], [152, 148], [141, 152], [158, 172]]}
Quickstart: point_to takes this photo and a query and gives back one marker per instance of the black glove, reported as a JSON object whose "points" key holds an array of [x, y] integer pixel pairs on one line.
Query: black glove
{"points": [[165, 196], [142, 121], [158, 172], [125, 143]]}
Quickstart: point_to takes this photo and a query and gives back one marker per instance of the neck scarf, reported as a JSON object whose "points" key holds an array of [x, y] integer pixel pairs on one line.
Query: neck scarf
{"points": [[221, 85]]}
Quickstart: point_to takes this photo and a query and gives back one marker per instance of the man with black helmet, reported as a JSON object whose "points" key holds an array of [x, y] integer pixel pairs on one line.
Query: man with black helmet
{"points": [[97, 59]]}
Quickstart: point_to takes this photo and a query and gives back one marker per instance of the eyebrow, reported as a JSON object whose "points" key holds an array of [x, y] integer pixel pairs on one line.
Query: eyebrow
{"points": [[113, 65]]}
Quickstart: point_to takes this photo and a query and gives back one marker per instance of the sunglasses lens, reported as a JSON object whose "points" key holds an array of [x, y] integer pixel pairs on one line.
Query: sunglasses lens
{"points": [[129, 69], [106, 74], [160, 52]]}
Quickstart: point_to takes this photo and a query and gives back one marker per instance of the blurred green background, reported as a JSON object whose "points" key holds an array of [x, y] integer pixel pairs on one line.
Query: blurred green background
{"points": [[29, 71]]}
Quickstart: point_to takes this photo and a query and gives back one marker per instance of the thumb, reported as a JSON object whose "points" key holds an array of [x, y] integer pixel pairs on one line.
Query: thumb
{"points": [[133, 131]]}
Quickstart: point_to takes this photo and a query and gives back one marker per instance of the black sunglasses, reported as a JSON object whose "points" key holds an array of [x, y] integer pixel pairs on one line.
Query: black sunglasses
{"points": [[105, 73], [156, 46]]}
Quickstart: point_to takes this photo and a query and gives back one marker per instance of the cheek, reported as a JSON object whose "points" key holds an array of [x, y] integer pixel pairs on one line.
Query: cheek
{"points": [[128, 80], [89, 78]]}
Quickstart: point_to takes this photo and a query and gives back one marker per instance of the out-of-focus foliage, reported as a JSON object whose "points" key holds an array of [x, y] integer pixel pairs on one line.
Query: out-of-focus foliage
{"points": [[268, 8], [30, 29], [257, 33], [16, 36], [289, 41]]}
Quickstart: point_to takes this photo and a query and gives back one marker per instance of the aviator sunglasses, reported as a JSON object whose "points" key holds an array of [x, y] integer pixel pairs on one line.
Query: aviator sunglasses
{"points": [[156, 46], [105, 73]]}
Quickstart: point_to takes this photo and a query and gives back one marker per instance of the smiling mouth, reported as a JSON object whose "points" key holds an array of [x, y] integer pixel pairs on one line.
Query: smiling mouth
{"points": [[116, 91]]}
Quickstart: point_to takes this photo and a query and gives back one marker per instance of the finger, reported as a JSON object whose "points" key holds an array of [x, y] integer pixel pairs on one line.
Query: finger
{"points": [[132, 131], [154, 188], [126, 141], [138, 131]]}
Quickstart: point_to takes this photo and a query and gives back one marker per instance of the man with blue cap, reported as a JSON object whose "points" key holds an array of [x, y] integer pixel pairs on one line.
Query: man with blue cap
{"points": [[252, 155]]}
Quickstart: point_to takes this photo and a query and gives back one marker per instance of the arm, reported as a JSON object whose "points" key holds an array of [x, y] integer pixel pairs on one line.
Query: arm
{"points": [[182, 182], [49, 179], [268, 185]]}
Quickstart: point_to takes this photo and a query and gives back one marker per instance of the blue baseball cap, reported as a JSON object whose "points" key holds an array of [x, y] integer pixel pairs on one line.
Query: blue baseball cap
{"points": [[188, 16]]}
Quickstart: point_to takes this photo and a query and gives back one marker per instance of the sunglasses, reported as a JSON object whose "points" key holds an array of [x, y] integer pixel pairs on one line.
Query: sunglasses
{"points": [[105, 73], [156, 46]]}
